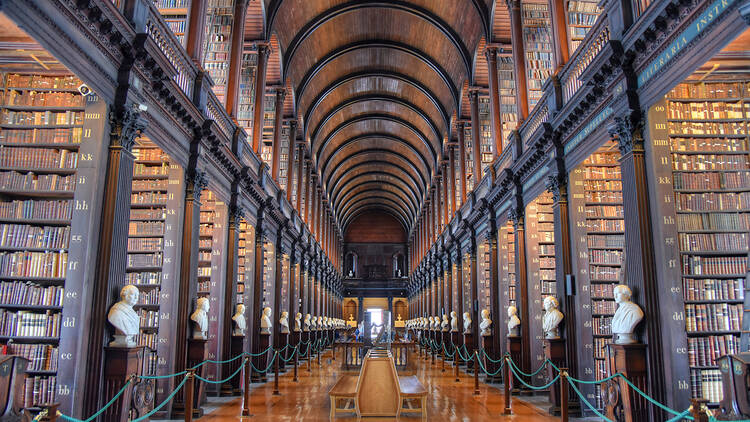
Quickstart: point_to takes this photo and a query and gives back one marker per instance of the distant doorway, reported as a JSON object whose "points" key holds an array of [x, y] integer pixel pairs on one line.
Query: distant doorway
{"points": [[376, 321]]}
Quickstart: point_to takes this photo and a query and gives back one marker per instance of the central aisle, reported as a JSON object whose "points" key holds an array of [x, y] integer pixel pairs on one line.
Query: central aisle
{"points": [[307, 400]]}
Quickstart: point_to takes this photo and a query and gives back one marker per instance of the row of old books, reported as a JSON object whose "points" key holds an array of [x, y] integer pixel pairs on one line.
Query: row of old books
{"points": [[713, 201], [703, 162], [709, 265], [712, 180], [724, 221], [692, 242], [29, 323], [42, 357], [13, 180], [33, 264], [41, 118], [703, 351], [710, 289], [41, 136], [32, 158], [38, 237], [27, 293], [713, 317], [37, 209], [151, 228], [24, 98]]}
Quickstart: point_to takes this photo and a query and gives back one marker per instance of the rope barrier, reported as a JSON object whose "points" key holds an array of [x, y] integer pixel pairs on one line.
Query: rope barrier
{"points": [[481, 365], [106, 406], [502, 358], [167, 400], [683, 415], [529, 385], [586, 402], [268, 368], [544, 364], [220, 381]]}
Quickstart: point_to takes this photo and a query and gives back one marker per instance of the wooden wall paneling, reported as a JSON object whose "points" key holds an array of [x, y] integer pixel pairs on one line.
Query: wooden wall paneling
{"points": [[639, 247], [535, 252], [257, 291], [474, 286], [496, 311], [216, 282], [521, 271], [507, 277], [459, 280], [229, 299], [84, 231], [111, 260]]}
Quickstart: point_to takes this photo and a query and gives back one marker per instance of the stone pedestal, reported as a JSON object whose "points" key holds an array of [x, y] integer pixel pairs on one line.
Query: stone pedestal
{"points": [[232, 388], [620, 401], [489, 347], [554, 350], [261, 362], [469, 349], [119, 364], [514, 348]]}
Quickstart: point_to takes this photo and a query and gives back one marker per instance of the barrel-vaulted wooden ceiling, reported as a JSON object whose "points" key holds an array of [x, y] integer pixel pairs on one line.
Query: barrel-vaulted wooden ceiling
{"points": [[377, 86]]}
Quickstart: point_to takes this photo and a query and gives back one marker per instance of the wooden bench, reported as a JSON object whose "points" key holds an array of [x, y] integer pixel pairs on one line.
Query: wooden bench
{"points": [[345, 390], [410, 388], [404, 393]]}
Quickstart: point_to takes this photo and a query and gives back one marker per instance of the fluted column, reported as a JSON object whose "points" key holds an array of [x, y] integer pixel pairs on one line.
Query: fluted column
{"points": [[462, 160], [235, 57], [519, 59], [475, 144], [495, 107], [277, 125], [260, 92]]}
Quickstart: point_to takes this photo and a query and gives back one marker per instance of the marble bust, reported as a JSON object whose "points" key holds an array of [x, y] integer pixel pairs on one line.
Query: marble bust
{"points": [[514, 323], [454, 321], [552, 318], [298, 322], [435, 322], [432, 322], [467, 323], [126, 321], [486, 323], [306, 323], [200, 318], [626, 317], [240, 325], [284, 322], [325, 323], [444, 325], [265, 321]]}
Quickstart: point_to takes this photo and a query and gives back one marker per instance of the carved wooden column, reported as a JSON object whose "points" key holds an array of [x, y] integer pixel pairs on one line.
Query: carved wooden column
{"points": [[196, 30], [300, 170], [196, 181], [257, 294], [230, 292], [308, 193], [291, 150], [462, 160], [475, 145], [517, 215], [493, 345], [495, 110], [639, 245], [519, 59], [458, 340], [559, 33], [235, 58], [473, 275], [557, 184], [264, 51], [277, 284], [111, 261], [277, 127], [293, 291], [446, 184], [452, 180]]}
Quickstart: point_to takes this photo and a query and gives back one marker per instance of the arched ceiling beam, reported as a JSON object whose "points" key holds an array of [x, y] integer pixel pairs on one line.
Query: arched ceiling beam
{"points": [[405, 48], [375, 177], [379, 199], [376, 193], [378, 117], [324, 166], [355, 5], [379, 207], [379, 97], [484, 16], [373, 186], [377, 74], [380, 167]]}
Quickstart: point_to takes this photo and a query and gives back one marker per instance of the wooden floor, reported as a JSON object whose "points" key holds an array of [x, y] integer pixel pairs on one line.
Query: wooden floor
{"points": [[307, 400]]}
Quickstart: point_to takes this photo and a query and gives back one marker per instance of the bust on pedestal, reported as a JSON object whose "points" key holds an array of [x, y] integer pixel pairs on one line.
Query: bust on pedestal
{"points": [[284, 322], [240, 325], [298, 322], [200, 318], [454, 322], [514, 323], [306, 323], [467, 323], [627, 316], [124, 319], [486, 323], [265, 321], [552, 318], [444, 326]]}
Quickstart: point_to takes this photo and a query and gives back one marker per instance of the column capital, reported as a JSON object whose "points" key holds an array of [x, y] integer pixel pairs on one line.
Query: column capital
{"points": [[628, 131], [125, 124], [262, 47]]}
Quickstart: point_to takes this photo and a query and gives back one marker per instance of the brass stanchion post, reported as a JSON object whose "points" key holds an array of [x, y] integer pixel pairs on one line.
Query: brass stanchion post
{"points": [[246, 393], [506, 381], [190, 387], [455, 362], [697, 409], [563, 394], [276, 357], [296, 363]]}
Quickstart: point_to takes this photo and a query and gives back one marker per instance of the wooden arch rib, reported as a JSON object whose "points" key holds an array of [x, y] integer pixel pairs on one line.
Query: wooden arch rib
{"points": [[369, 207], [375, 193], [388, 44], [371, 98], [373, 169], [378, 199], [416, 161], [317, 148], [356, 5], [376, 73], [370, 186], [378, 177]]}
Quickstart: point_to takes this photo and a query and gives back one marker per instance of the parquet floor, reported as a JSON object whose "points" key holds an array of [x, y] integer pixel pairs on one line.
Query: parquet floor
{"points": [[307, 400]]}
